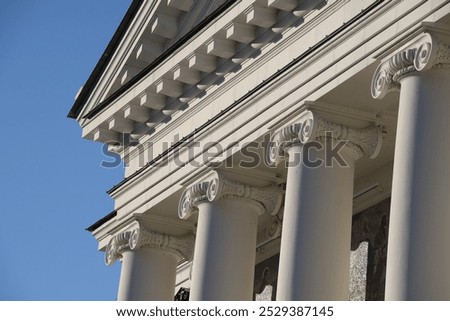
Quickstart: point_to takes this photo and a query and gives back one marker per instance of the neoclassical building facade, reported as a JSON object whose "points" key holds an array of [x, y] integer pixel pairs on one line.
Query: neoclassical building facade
{"points": [[276, 149]]}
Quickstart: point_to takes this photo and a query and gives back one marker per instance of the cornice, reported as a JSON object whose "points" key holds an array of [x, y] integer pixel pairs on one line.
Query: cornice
{"points": [[428, 51], [312, 19], [218, 186], [150, 25], [222, 70], [310, 127], [245, 101], [85, 91], [117, 58], [288, 106]]}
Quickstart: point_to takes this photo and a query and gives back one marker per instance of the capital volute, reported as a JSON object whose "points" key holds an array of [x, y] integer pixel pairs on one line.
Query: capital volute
{"points": [[218, 186], [425, 53], [116, 246], [282, 140], [311, 127], [268, 198], [140, 236], [191, 197]]}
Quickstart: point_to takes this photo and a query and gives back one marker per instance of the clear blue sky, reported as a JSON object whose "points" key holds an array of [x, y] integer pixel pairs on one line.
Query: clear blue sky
{"points": [[52, 186]]}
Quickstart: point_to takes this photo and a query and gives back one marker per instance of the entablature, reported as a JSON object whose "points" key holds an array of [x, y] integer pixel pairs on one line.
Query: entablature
{"points": [[247, 118], [183, 125]]}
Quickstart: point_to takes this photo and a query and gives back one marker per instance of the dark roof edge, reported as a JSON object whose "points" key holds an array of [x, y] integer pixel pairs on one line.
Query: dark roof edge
{"points": [[216, 13], [101, 221], [104, 59]]}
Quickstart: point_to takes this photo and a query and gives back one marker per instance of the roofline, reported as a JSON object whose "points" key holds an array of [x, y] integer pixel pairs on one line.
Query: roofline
{"points": [[101, 221], [160, 59], [104, 60]]}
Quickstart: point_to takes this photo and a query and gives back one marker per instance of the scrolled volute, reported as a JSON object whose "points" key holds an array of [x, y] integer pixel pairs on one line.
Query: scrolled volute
{"points": [[181, 246], [426, 52], [116, 246], [310, 127], [141, 236], [190, 198], [218, 186], [269, 198]]}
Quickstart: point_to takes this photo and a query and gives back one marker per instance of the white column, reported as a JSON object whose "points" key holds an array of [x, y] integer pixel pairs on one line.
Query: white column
{"points": [[223, 267], [149, 262], [147, 275], [225, 248], [316, 236], [418, 262]]}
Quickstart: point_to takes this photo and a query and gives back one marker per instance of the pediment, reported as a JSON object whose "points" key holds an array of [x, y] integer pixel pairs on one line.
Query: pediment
{"points": [[211, 48], [153, 28]]}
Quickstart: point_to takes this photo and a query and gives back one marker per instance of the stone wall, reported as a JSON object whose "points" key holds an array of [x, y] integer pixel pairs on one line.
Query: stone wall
{"points": [[371, 226], [368, 258]]}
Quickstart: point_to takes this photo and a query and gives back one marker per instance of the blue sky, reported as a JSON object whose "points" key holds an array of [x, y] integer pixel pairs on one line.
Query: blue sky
{"points": [[52, 186]]}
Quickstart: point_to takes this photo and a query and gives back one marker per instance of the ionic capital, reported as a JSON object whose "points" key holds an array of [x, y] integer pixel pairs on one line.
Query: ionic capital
{"points": [[268, 198], [116, 246], [140, 236], [424, 53], [310, 127], [218, 186], [191, 197]]}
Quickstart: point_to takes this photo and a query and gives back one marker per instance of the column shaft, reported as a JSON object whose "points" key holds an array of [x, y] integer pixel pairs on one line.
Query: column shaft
{"points": [[224, 259], [418, 261], [315, 243], [147, 275]]}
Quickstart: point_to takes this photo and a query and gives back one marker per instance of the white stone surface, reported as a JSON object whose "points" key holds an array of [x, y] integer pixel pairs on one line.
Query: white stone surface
{"points": [[224, 259], [358, 272], [315, 242]]}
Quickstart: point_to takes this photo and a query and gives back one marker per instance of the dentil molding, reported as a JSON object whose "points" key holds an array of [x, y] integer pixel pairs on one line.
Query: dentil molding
{"points": [[140, 236], [310, 127], [218, 186], [425, 53]]}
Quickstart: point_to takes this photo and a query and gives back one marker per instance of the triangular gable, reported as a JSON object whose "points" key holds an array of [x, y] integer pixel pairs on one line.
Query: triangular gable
{"points": [[148, 29], [193, 61]]}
